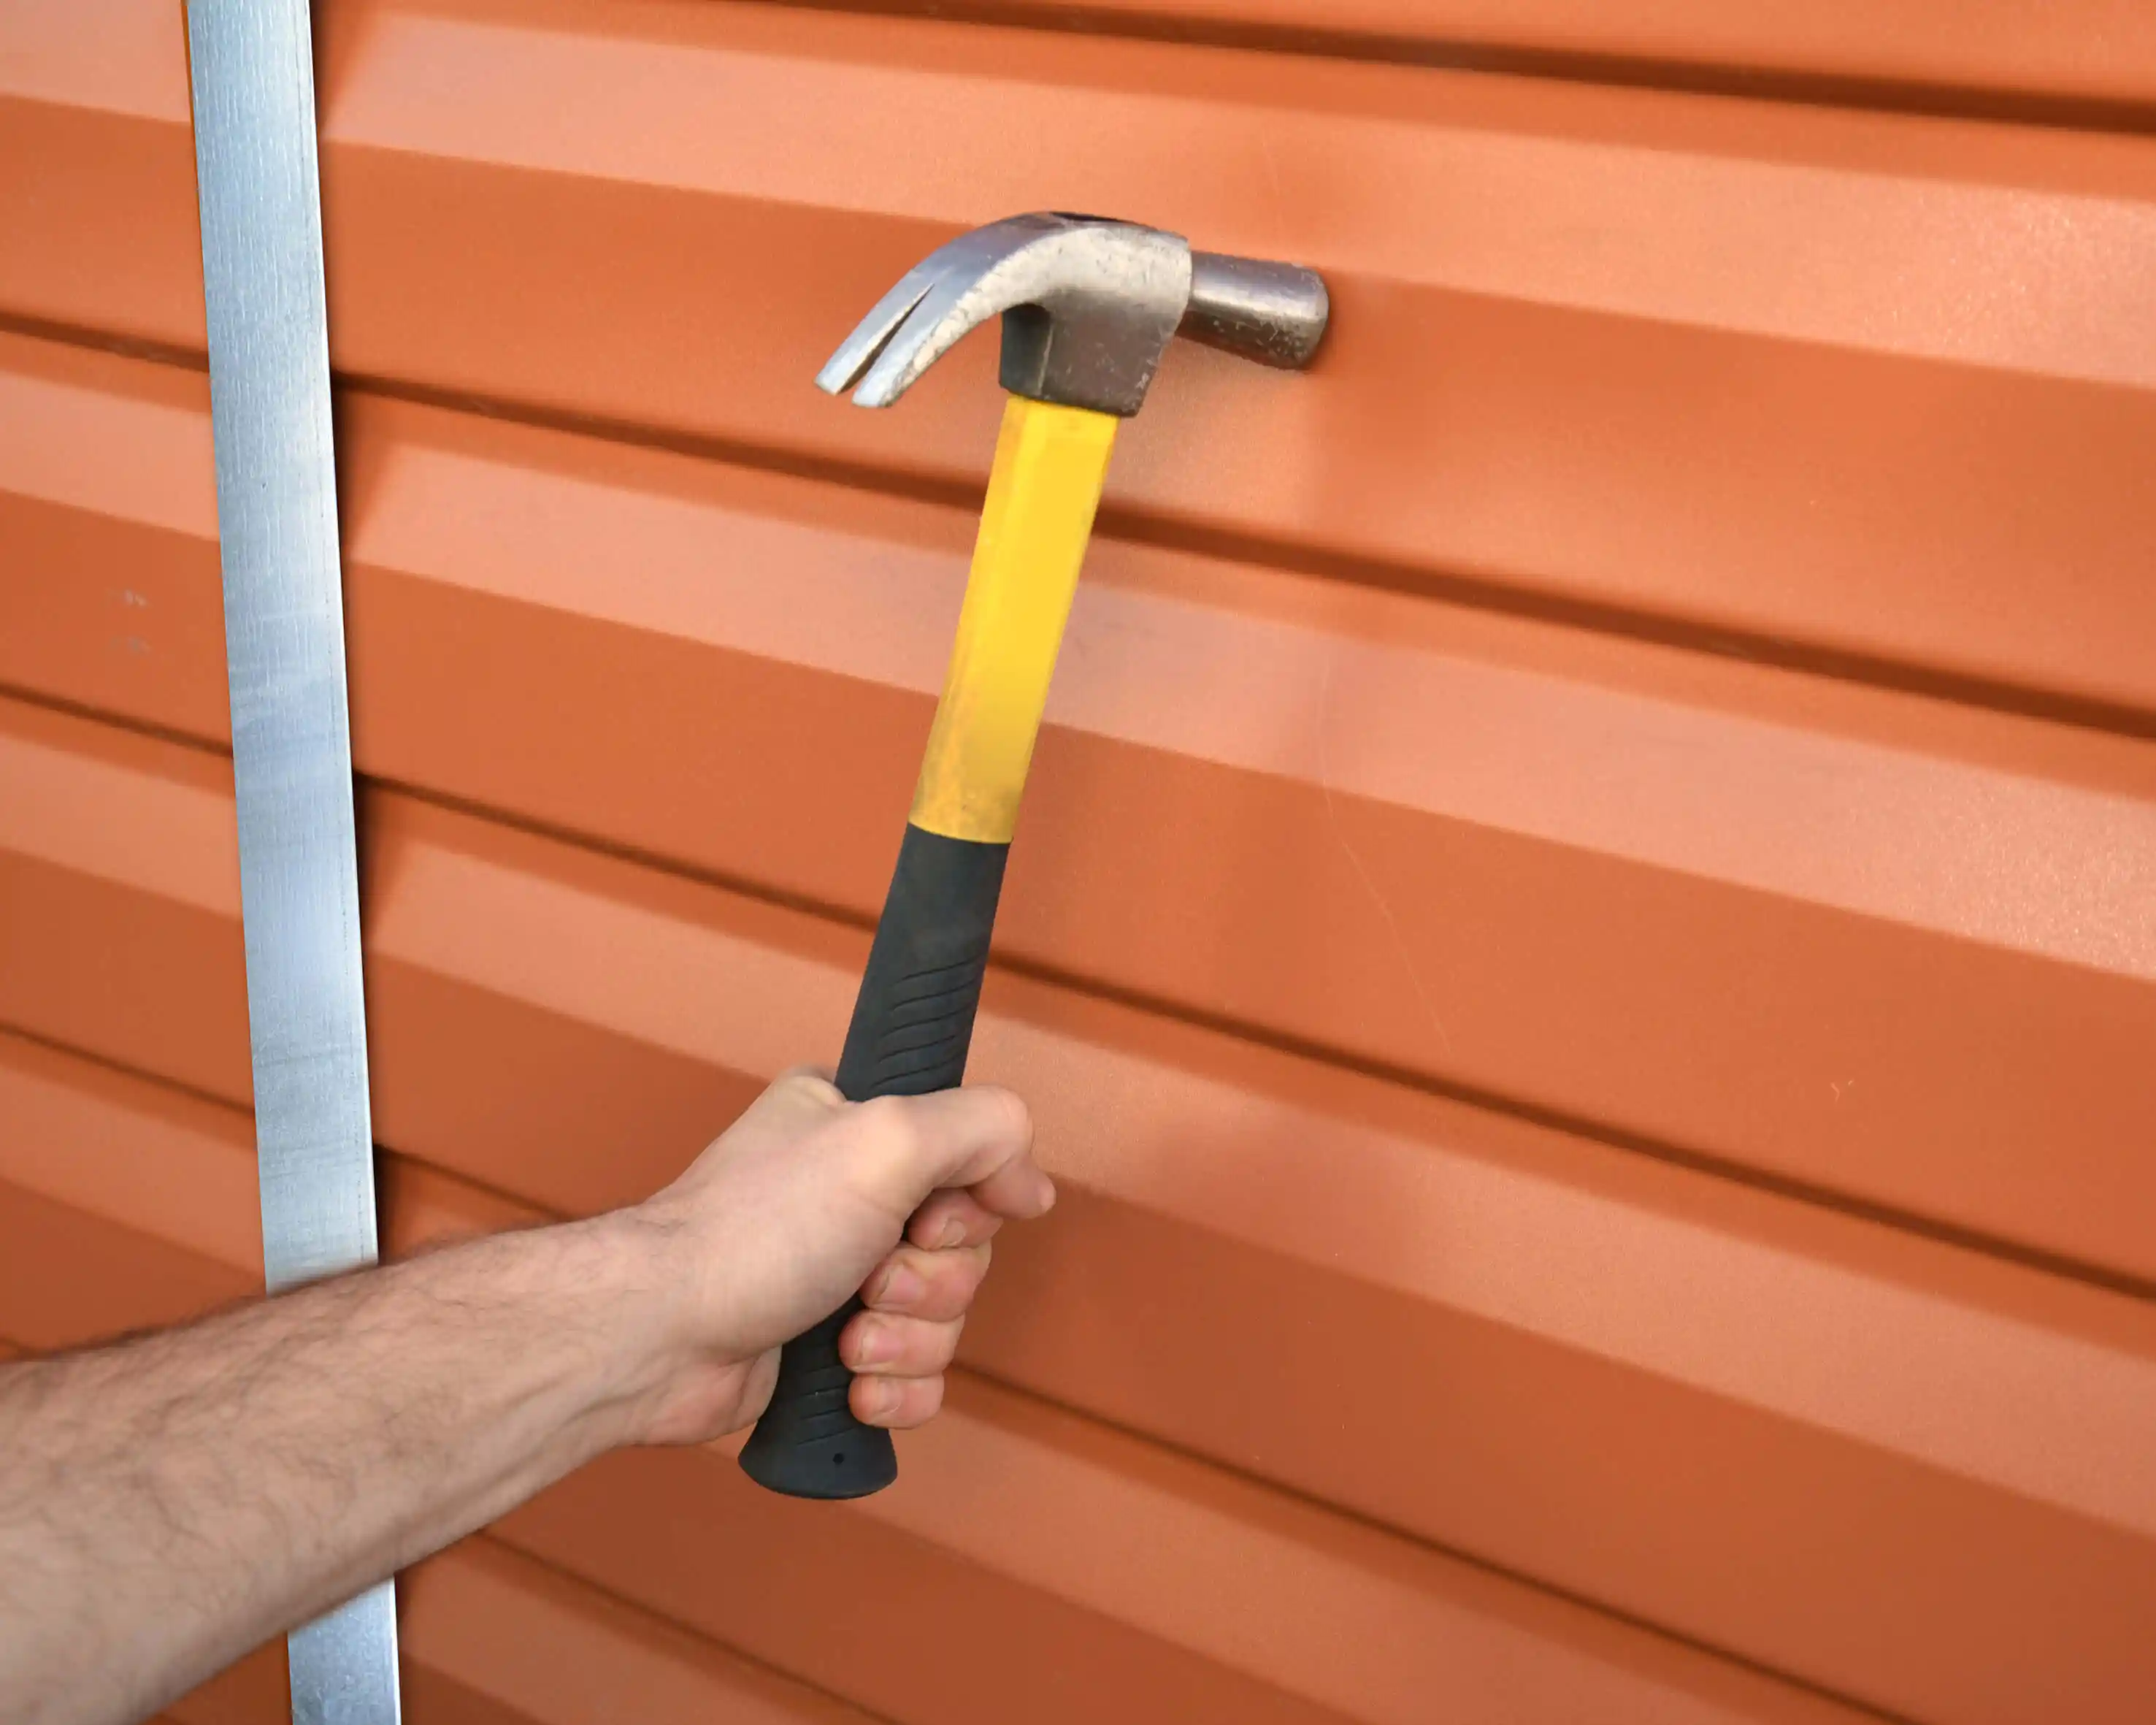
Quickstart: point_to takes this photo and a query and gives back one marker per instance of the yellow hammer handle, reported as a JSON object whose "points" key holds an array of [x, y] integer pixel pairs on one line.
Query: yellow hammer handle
{"points": [[1050, 462]]}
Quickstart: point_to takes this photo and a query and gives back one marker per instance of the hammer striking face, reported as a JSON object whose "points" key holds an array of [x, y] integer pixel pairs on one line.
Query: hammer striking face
{"points": [[1088, 305]]}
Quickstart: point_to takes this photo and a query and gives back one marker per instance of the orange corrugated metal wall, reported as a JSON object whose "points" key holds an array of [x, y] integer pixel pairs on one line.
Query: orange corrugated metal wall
{"points": [[1582, 944]]}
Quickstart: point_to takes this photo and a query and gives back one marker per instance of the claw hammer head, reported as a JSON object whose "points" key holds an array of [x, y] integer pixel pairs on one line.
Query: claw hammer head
{"points": [[1088, 305]]}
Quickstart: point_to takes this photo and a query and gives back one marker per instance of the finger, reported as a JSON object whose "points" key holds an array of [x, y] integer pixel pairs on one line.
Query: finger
{"points": [[951, 1218], [898, 1404], [878, 1346], [1019, 1189], [977, 1136], [927, 1284]]}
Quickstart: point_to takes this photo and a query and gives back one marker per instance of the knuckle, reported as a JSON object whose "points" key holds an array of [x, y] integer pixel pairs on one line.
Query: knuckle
{"points": [[1011, 1117], [808, 1083], [961, 1277], [930, 1226], [960, 1293], [890, 1125], [925, 1349], [900, 1284], [875, 1400], [857, 1345]]}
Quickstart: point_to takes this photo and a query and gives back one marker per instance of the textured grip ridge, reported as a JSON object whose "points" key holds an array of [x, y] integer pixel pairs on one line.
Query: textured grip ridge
{"points": [[913, 1018], [808, 1443], [912, 1028]]}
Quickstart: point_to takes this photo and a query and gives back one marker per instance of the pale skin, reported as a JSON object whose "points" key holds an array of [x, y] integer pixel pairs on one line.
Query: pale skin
{"points": [[168, 1502]]}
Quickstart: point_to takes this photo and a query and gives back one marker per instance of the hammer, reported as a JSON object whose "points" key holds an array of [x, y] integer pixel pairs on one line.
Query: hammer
{"points": [[1088, 304]]}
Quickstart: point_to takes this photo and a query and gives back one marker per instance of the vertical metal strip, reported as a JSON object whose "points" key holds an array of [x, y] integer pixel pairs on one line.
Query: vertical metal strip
{"points": [[253, 71]]}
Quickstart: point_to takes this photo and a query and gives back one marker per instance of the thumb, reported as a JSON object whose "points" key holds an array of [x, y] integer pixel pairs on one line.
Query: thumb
{"points": [[977, 1136]]}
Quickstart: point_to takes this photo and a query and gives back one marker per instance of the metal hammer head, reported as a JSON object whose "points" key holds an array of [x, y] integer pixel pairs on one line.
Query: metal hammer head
{"points": [[1088, 305]]}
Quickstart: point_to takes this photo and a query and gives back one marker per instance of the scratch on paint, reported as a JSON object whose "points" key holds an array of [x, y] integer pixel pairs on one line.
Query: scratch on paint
{"points": [[1361, 873]]}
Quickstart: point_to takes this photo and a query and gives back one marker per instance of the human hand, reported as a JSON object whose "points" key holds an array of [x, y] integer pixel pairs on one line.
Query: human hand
{"points": [[804, 1200]]}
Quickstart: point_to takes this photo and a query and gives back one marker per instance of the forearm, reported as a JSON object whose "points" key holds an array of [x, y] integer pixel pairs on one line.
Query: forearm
{"points": [[169, 1502], [166, 1503]]}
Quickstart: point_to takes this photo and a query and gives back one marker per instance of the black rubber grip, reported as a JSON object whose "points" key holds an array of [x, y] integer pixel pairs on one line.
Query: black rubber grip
{"points": [[913, 1024]]}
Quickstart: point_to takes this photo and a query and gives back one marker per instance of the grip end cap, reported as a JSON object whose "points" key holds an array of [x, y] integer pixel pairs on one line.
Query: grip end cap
{"points": [[848, 1464]]}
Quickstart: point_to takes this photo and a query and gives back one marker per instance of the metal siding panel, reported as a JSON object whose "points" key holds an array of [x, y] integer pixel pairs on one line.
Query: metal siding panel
{"points": [[1606, 1036], [1208, 1139], [68, 1277], [1605, 369], [1932, 52], [1603, 366], [1898, 1468], [492, 1638], [257, 1690], [1866, 941], [103, 234]]}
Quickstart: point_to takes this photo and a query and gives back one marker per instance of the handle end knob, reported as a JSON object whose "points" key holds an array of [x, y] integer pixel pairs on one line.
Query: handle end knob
{"points": [[808, 1444]]}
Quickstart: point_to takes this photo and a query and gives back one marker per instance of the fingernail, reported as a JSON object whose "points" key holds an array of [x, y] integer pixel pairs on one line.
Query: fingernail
{"points": [[1047, 1193], [951, 1233], [900, 1288], [871, 1345], [882, 1396]]}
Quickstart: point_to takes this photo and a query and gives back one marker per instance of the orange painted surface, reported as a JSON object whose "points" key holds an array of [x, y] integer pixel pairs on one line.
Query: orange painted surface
{"points": [[1828, 1444], [492, 1638], [1581, 942], [1913, 52], [1596, 347], [1866, 940]]}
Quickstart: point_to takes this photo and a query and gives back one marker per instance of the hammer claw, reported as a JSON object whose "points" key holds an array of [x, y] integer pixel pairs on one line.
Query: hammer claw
{"points": [[884, 345], [952, 306], [873, 333], [1109, 293]]}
